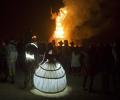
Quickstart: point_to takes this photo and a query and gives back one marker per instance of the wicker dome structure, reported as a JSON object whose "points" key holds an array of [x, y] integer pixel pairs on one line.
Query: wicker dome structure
{"points": [[50, 77]]}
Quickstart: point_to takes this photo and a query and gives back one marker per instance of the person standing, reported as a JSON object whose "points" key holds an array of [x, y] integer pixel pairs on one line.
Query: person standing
{"points": [[30, 64], [3, 66], [66, 56], [89, 67], [75, 61], [11, 59]]}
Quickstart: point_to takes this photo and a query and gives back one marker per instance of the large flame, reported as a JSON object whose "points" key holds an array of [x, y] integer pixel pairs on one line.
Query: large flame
{"points": [[59, 33]]}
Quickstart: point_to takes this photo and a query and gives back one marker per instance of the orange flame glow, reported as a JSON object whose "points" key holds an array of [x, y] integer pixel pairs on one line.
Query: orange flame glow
{"points": [[59, 33]]}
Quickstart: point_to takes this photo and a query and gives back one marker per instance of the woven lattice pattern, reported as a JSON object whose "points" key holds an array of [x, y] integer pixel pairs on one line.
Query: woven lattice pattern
{"points": [[50, 78]]}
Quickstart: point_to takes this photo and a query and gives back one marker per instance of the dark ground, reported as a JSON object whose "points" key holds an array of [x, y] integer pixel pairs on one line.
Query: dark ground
{"points": [[10, 91]]}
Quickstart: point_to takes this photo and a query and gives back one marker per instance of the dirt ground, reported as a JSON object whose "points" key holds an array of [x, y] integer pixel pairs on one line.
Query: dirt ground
{"points": [[10, 91]]}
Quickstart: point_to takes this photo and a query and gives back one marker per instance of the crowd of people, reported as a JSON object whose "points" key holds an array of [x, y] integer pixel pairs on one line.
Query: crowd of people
{"points": [[87, 60]]}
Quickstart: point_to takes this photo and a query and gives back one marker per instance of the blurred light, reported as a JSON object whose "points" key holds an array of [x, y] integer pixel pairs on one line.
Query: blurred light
{"points": [[66, 92], [34, 45], [29, 56], [34, 37]]}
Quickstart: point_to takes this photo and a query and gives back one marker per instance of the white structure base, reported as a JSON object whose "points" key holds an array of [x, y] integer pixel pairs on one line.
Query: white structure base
{"points": [[50, 78]]}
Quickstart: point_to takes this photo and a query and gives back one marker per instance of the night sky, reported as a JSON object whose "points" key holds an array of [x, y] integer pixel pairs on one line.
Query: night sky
{"points": [[20, 16]]}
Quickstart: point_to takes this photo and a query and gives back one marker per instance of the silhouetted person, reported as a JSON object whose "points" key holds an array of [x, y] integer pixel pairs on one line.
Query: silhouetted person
{"points": [[66, 56], [72, 46], [108, 62], [11, 59], [89, 67], [115, 69], [30, 64], [60, 51], [3, 63], [53, 43]]}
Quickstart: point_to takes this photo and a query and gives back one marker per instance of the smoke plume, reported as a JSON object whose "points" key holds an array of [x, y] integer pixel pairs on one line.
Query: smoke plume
{"points": [[87, 18]]}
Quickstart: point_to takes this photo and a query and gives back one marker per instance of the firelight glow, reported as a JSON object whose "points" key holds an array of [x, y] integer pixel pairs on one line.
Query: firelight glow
{"points": [[59, 31]]}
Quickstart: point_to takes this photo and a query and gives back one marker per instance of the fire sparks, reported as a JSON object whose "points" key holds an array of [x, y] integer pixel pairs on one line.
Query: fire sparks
{"points": [[59, 30]]}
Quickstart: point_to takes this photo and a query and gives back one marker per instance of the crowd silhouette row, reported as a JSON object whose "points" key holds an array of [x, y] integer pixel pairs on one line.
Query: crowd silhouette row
{"points": [[85, 60]]}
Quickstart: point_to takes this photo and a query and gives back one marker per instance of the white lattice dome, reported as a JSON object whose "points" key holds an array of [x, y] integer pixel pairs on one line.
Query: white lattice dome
{"points": [[50, 78]]}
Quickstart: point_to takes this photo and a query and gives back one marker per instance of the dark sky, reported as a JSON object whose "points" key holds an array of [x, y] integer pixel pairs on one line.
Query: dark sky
{"points": [[18, 16]]}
